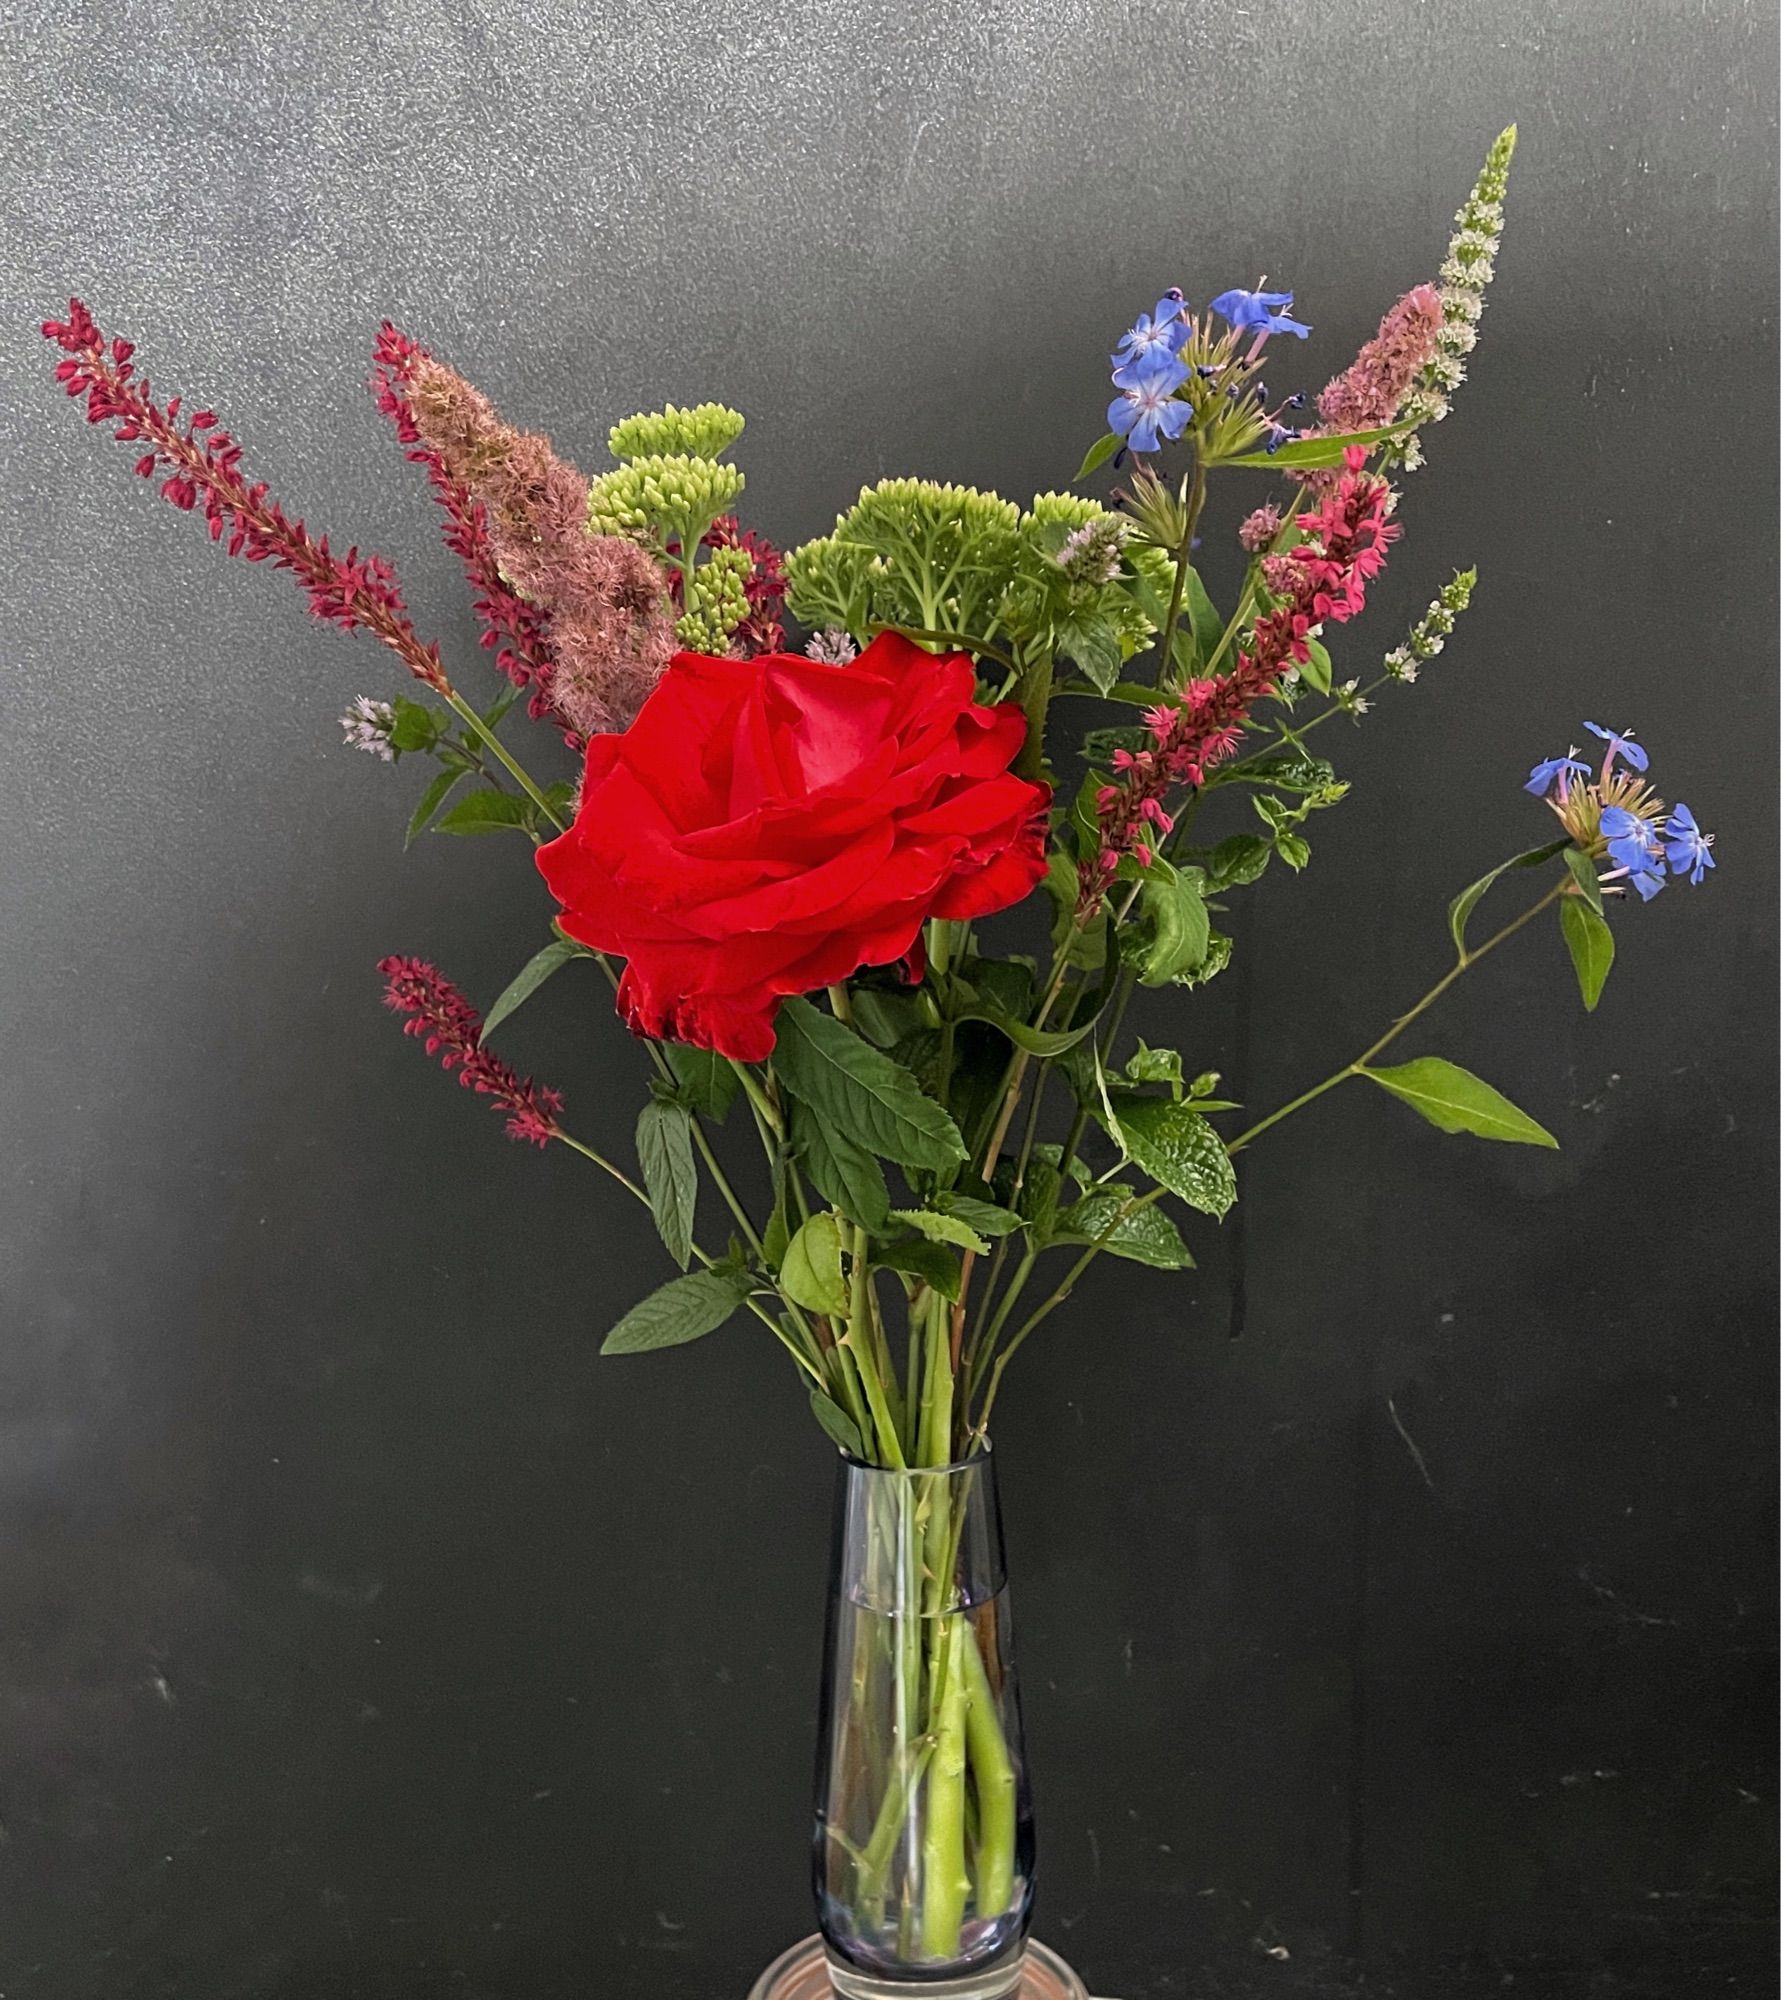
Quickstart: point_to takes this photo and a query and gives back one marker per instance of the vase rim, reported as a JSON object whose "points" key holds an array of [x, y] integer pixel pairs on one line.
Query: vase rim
{"points": [[980, 1457]]}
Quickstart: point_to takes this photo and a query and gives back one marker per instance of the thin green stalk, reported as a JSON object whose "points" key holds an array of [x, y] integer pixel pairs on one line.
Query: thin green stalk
{"points": [[469, 716], [722, 1182], [1462, 963], [858, 1340]]}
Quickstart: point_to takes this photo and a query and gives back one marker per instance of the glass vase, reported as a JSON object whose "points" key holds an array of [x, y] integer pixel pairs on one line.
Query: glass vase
{"points": [[923, 1851]]}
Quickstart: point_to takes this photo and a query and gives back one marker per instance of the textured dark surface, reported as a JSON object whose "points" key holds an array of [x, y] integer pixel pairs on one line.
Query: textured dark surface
{"points": [[362, 1634]]}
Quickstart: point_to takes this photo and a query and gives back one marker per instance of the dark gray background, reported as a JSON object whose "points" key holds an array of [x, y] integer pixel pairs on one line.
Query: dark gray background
{"points": [[363, 1634]]}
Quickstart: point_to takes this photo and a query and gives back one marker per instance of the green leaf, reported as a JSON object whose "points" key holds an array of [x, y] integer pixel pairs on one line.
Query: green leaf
{"points": [[1293, 848], [527, 980], [670, 1174], [1306, 454], [1148, 1065], [1236, 862], [1317, 671], [430, 801], [988, 1218], [1178, 927], [1092, 642], [1459, 911], [1178, 1149], [778, 1232], [1591, 943], [1218, 956], [939, 1228], [1587, 880], [485, 812], [1145, 1236], [860, 1091], [1097, 455], [844, 1174], [916, 1257], [1456, 1101], [810, 1272], [1289, 773], [837, 1423], [416, 726], [1036, 1041], [683, 1309], [1202, 618], [709, 1080]]}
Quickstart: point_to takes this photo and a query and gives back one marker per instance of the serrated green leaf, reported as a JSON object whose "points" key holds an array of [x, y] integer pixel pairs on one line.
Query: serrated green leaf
{"points": [[1091, 642], [1177, 927], [1236, 862], [1203, 621], [1144, 1236], [1591, 945], [1589, 883], [1288, 773], [810, 1272], [670, 1174], [709, 1080], [837, 1423], [1317, 671], [986, 1217], [527, 980], [1178, 1149], [1148, 1065], [916, 1257], [845, 1175], [1097, 455], [1455, 1100], [1459, 911], [778, 1232], [1293, 848], [860, 1091], [485, 812], [939, 1228], [415, 725], [683, 1309], [430, 801]]}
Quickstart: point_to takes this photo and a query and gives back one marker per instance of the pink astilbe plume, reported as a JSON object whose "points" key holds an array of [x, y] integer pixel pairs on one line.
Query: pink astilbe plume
{"points": [[1370, 391], [440, 1016], [1323, 580], [512, 629], [605, 607], [201, 464]]}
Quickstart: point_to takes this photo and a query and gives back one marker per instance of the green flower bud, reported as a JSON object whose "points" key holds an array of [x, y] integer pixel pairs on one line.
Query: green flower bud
{"points": [[662, 499], [706, 431]]}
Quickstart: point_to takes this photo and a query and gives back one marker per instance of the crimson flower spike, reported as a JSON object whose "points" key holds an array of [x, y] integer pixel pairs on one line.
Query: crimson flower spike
{"points": [[201, 464], [439, 1016]]}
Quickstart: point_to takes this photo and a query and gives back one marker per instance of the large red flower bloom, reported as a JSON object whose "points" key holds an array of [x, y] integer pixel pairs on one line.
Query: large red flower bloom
{"points": [[768, 826]]}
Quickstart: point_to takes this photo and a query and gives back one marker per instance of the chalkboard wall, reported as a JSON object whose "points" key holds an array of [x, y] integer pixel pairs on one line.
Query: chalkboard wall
{"points": [[1396, 1591]]}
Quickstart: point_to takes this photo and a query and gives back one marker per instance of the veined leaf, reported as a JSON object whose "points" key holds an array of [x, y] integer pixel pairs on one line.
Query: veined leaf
{"points": [[837, 1423], [858, 1090], [1454, 1100], [916, 1257], [1316, 670], [1591, 945], [1179, 928], [1307, 454], [844, 1174], [527, 980], [709, 1080], [810, 1272], [670, 1174], [939, 1228], [431, 800], [1178, 1149], [683, 1309], [485, 812], [986, 1217], [1144, 1236], [1459, 911], [1589, 883]]}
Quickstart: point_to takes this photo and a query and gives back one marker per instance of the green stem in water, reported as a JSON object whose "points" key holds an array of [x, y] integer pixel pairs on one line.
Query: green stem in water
{"points": [[992, 1775], [945, 1880]]}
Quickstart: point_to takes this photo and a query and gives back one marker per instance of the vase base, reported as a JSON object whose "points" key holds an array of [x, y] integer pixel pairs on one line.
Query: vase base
{"points": [[803, 1973]]}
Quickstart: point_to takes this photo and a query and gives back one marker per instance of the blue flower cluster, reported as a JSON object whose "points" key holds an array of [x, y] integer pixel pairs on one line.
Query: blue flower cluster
{"points": [[1147, 364], [1641, 842]]}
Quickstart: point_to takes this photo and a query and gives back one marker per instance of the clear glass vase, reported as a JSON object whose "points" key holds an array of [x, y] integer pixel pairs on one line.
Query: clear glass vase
{"points": [[923, 1857]]}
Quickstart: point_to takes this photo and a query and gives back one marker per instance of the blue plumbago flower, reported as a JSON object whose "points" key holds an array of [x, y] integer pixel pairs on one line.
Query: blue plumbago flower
{"points": [[1164, 331], [1145, 410], [1688, 850], [1620, 744], [1567, 770], [1246, 310], [1633, 845]]}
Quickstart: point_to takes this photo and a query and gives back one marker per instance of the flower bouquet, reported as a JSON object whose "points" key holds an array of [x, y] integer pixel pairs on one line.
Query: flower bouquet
{"points": [[786, 861]]}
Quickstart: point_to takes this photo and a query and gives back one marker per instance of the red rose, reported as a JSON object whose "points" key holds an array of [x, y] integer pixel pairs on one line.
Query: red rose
{"points": [[768, 826]]}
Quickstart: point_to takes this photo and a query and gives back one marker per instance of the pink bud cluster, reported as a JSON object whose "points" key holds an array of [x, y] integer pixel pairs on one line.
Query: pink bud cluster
{"points": [[1322, 581], [603, 600], [440, 1016], [1370, 391], [201, 464]]}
